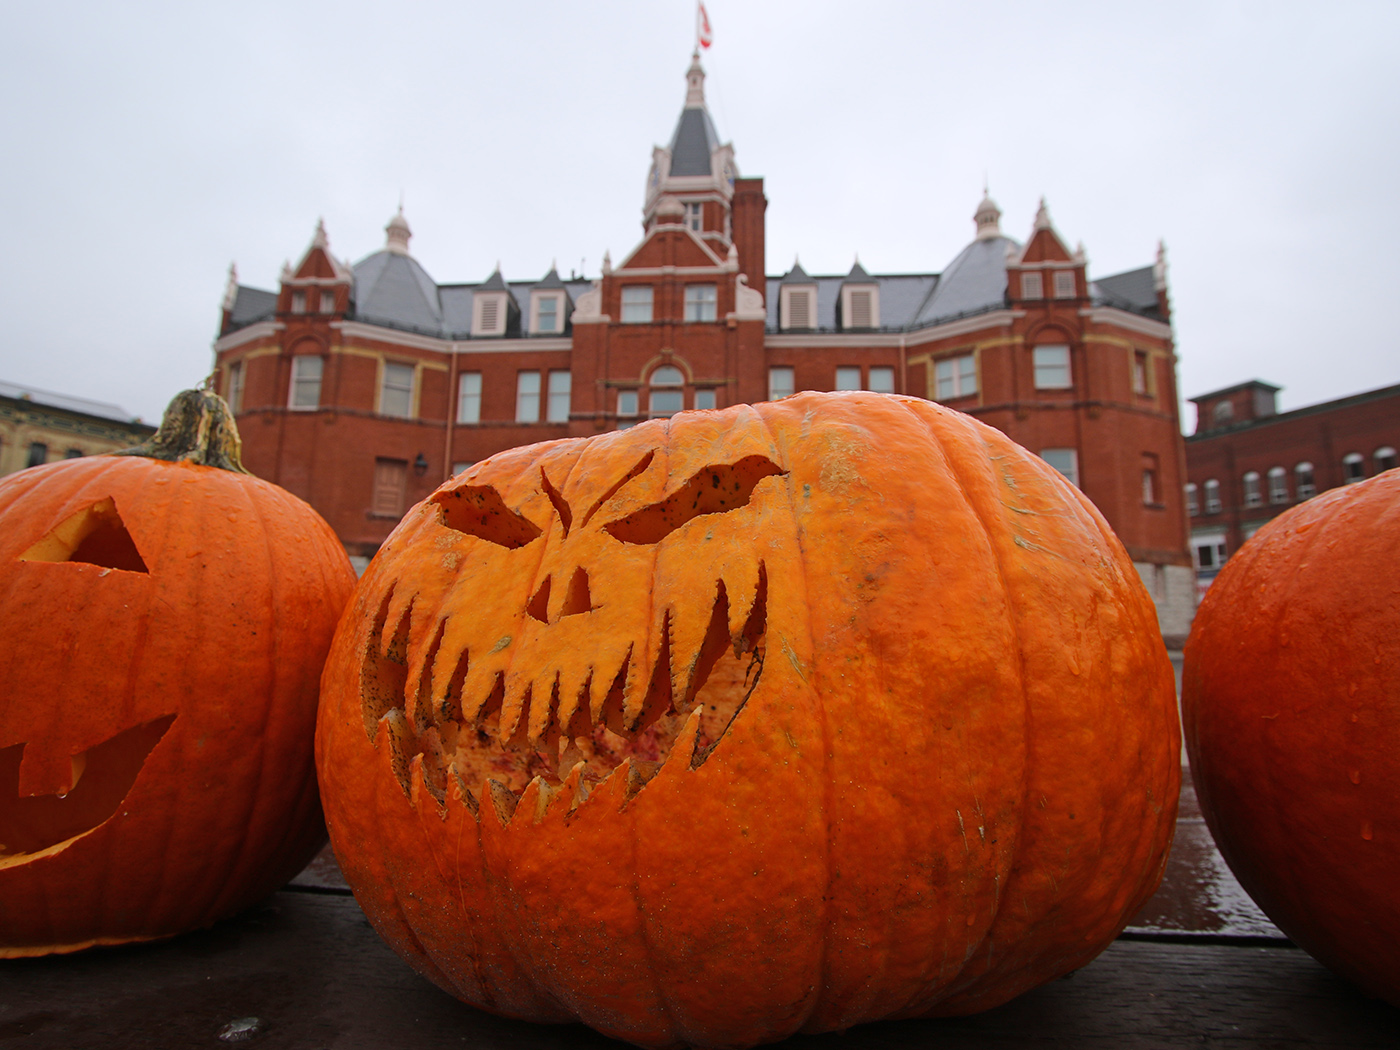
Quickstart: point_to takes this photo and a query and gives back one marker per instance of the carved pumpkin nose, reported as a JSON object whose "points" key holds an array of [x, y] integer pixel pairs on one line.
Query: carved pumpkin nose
{"points": [[577, 599]]}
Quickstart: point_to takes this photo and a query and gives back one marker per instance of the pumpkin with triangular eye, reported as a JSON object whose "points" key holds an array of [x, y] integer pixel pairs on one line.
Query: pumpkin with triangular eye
{"points": [[165, 616], [773, 719]]}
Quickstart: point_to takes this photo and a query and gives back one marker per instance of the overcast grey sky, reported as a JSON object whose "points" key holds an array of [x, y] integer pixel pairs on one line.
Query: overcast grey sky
{"points": [[148, 145]]}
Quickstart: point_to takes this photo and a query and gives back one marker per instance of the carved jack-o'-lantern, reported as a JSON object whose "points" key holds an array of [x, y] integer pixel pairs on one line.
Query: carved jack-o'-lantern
{"points": [[165, 616], [779, 718]]}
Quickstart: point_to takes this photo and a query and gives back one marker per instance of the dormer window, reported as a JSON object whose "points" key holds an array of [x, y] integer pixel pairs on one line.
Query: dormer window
{"points": [[298, 302], [860, 306], [1032, 286], [549, 313], [489, 313], [1064, 284], [798, 306]]}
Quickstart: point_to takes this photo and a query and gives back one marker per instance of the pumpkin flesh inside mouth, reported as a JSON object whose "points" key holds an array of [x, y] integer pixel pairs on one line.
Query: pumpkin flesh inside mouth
{"points": [[632, 726]]}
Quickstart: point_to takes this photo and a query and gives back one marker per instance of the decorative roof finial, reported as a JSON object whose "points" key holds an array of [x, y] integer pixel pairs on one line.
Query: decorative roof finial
{"points": [[398, 233], [695, 83], [1159, 268], [231, 290], [1042, 216], [318, 239], [987, 217]]}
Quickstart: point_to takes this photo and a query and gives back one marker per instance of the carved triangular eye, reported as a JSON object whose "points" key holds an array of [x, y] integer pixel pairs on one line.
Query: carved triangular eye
{"points": [[714, 490], [479, 510], [95, 535]]}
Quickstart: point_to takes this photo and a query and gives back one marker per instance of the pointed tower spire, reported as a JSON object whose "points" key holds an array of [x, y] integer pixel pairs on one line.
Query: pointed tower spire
{"points": [[231, 289], [987, 217], [397, 233]]}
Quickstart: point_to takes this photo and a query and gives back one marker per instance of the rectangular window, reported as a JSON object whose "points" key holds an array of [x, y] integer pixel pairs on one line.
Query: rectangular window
{"points": [[396, 390], [527, 397], [1278, 485], [1150, 488], [700, 302], [234, 390], [665, 402], [298, 302], [38, 454], [1252, 495], [1140, 372], [1209, 552], [694, 215], [469, 397], [1065, 460], [1051, 367], [882, 380], [1213, 496], [560, 384], [636, 304], [779, 383], [704, 399], [1032, 286], [1064, 284], [390, 484], [328, 302], [626, 402], [1303, 479], [955, 377], [848, 379], [548, 314], [306, 381]]}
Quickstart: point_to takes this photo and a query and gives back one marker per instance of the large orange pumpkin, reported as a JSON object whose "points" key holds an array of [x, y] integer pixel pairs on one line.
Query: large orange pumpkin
{"points": [[164, 624], [1291, 699], [773, 719]]}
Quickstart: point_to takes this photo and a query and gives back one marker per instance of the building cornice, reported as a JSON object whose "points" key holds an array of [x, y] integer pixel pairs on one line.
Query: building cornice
{"points": [[816, 340], [1111, 315], [963, 326], [250, 334]]}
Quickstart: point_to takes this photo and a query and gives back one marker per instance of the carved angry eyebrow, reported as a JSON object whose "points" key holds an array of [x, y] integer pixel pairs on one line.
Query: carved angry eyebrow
{"points": [[714, 490], [479, 510]]}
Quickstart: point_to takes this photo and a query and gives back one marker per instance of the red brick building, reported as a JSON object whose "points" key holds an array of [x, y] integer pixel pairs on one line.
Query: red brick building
{"points": [[362, 387], [1247, 462]]}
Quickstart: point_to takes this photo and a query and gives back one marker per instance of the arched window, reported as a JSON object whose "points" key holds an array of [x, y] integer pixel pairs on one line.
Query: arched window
{"points": [[1212, 496], [1303, 483], [1353, 467], [667, 394], [1252, 495], [1384, 458], [1193, 507], [1278, 485]]}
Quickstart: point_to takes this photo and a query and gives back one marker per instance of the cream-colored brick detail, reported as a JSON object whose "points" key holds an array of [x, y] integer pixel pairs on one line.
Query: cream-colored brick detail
{"points": [[1173, 591]]}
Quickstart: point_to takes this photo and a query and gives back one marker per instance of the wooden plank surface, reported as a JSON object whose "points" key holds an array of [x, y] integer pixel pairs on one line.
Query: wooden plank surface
{"points": [[309, 969]]}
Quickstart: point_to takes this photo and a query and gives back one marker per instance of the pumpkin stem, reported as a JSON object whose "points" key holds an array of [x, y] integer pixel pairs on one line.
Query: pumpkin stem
{"points": [[197, 427]]}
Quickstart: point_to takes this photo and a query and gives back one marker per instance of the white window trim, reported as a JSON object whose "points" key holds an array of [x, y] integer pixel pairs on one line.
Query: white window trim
{"points": [[1072, 475], [384, 367], [1068, 384], [848, 369], [1058, 285], [479, 301], [623, 304], [870, 378], [521, 396], [559, 316], [462, 379], [785, 318], [773, 394], [292, 387], [1033, 278], [712, 303], [846, 292], [551, 415], [954, 364]]}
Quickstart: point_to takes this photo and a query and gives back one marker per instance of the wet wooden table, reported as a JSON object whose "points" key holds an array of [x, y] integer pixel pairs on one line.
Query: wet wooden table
{"points": [[1199, 966]]}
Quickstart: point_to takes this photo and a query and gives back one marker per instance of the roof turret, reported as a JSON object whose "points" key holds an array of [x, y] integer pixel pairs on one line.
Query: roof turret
{"points": [[987, 217], [398, 234]]}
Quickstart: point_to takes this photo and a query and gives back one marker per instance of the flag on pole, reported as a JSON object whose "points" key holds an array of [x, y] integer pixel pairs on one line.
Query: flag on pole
{"points": [[703, 35]]}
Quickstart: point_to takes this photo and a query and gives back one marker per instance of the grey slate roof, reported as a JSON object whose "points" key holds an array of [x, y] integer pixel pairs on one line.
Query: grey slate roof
{"points": [[973, 283], [695, 139], [857, 275], [100, 409], [901, 295], [796, 275], [251, 305], [394, 289], [1132, 290]]}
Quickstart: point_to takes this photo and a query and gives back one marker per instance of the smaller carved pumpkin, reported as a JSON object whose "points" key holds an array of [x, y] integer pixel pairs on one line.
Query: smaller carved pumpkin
{"points": [[775, 719], [165, 616], [1291, 702]]}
